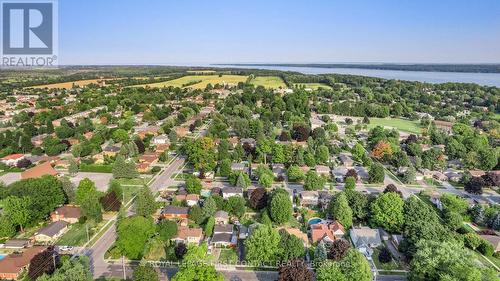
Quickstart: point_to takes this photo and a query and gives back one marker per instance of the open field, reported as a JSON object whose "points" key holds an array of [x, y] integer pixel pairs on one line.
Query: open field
{"points": [[201, 71], [313, 86], [404, 125], [69, 85], [202, 81], [268, 82]]}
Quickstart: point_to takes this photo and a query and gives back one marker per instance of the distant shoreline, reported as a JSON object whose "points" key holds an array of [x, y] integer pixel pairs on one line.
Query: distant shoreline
{"points": [[463, 68]]}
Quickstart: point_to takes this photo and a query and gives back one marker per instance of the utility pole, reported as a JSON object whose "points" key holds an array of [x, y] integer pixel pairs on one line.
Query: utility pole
{"points": [[88, 236], [123, 267]]}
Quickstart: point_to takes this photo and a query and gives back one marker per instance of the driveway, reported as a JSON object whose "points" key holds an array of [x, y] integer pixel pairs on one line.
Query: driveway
{"points": [[10, 178], [101, 180]]}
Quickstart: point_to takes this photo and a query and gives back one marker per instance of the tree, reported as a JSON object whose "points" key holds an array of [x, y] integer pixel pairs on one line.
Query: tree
{"points": [[7, 229], [167, 229], [180, 250], [145, 204], [320, 253], [410, 175], [387, 212], [77, 269], [382, 151], [358, 202], [340, 210], [314, 181], [350, 183], [263, 245], [133, 233], [322, 154], [385, 255], [196, 255], [295, 270], [225, 167], [295, 174], [209, 207], [124, 169], [376, 173], [91, 208], [73, 166], [434, 260], [116, 187], [243, 181], [358, 151], [110, 202], [209, 227], [266, 180], [453, 203], [292, 246], [120, 135], [43, 262], [392, 188], [258, 198], [196, 214], [339, 249], [145, 272], [354, 267], [280, 207], [23, 163], [17, 210], [472, 240], [236, 206], [475, 185], [201, 153], [69, 189], [193, 185], [85, 188]]}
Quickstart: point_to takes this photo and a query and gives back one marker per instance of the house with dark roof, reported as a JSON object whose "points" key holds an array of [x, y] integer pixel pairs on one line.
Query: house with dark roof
{"points": [[51, 232], [365, 239], [174, 212], [224, 236], [229, 191]]}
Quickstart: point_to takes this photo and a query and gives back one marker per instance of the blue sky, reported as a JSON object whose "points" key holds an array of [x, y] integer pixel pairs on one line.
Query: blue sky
{"points": [[293, 31]]}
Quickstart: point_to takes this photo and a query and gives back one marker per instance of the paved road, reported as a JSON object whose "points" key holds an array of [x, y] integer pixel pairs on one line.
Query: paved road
{"points": [[163, 180]]}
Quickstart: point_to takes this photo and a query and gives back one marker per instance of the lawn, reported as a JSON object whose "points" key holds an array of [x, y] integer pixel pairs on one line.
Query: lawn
{"points": [[198, 81], [129, 191], [404, 125], [77, 234], [136, 181], [268, 82], [228, 256], [155, 250], [313, 86]]}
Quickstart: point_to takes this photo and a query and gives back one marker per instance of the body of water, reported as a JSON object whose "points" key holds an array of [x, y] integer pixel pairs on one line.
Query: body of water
{"points": [[488, 79]]}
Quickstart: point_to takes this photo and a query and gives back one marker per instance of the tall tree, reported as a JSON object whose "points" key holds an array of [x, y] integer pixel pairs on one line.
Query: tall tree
{"points": [[145, 204]]}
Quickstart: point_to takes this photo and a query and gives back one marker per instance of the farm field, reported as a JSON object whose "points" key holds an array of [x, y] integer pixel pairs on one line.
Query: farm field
{"points": [[268, 82], [313, 86], [404, 125], [69, 85], [203, 81]]}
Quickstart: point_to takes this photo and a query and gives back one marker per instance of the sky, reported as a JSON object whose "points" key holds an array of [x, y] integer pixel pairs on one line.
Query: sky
{"points": [[190, 32]]}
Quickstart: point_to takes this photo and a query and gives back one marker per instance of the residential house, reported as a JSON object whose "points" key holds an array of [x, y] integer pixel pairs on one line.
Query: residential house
{"points": [[476, 173], [14, 264], [174, 212], [279, 170], [248, 141], [365, 239], [11, 160], [224, 236], [188, 235], [346, 160], [323, 170], [39, 171], [297, 233], [327, 232], [238, 167], [229, 191], [67, 213], [309, 198], [362, 173], [51, 232], [444, 126], [339, 174], [439, 176], [191, 199], [221, 217], [181, 131], [161, 139], [324, 198], [17, 244], [111, 150]]}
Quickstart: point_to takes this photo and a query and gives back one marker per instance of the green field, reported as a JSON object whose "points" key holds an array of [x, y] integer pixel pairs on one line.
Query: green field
{"points": [[268, 82], [204, 80], [313, 86], [404, 125]]}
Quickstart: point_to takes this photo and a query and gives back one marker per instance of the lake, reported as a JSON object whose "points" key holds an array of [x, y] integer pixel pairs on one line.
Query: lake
{"points": [[488, 79]]}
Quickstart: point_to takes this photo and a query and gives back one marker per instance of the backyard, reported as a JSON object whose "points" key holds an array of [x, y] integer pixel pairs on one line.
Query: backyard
{"points": [[404, 125]]}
